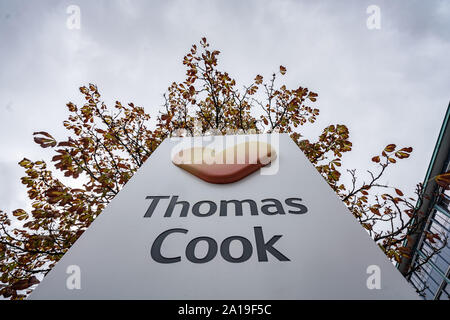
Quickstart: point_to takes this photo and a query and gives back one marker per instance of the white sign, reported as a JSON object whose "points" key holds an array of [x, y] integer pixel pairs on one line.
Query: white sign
{"points": [[168, 234]]}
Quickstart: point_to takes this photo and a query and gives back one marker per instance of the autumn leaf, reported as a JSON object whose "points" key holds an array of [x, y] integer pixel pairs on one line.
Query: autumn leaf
{"points": [[44, 142], [367, 226], [375, 211], [25, 283], [443, 180], [54, 192], [401, 155], [25, 163], [312, 96], [335, 175], [282, 70], [408, 149], [258, 79], [20, 214], [252, 90], [390, 147]]}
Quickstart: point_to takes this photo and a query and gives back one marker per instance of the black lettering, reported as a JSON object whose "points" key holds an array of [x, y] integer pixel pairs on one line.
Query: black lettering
{"points": [[156, 247], [212, 208], [276, 205], [212, 250], [291, 202], [262, 247], [269, 207], [153, 204], [247, 249], [238, 207], [173, 202]]}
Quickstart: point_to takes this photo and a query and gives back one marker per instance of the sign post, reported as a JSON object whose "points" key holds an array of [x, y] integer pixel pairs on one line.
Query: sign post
{"points": [[278, 231]]}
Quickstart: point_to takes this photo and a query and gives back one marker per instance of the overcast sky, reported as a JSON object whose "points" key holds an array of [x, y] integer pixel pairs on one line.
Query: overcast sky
{"points": [[388, 85]]}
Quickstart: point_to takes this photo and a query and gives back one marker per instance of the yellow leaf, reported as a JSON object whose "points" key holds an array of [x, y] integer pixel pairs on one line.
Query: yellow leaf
{"points": [[390, 147], [443, 179]]}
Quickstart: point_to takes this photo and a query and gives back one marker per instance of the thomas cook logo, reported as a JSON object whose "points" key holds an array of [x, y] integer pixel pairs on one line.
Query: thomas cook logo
{"points": [[216, 164], [228, 165]]}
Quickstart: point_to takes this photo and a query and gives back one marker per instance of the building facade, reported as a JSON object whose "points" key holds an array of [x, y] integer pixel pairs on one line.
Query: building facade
{"points": [[431, 278]]}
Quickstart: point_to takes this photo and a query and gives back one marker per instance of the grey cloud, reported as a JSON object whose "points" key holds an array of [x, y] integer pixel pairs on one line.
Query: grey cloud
{"points": [[387, 85]]}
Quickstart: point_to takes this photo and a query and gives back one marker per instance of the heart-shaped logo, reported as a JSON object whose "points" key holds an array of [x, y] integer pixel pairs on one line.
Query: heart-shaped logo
{"points": [[227, 166]]}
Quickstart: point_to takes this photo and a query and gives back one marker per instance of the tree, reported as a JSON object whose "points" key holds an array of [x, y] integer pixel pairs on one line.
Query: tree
{"points": [[107, 145]]}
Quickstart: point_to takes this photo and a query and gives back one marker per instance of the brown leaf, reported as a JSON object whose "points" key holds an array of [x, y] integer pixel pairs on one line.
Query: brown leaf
{"points": [[20, 214], [408, 149], [258, 79], [44, 142], [21, 284], [43, 133], [25, 163], [390, 147], [443, 180], [375, 211], [401, 154], [25, 283]]}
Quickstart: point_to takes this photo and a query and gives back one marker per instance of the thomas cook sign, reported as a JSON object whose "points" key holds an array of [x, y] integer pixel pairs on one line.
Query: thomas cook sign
{"points": [[235, 217]]}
